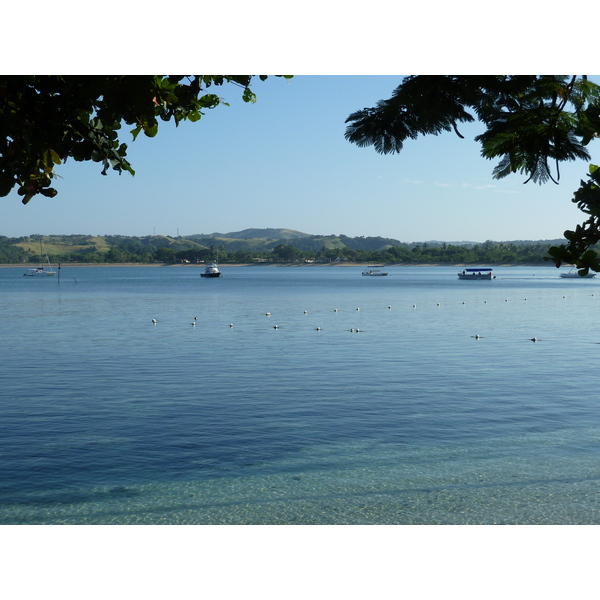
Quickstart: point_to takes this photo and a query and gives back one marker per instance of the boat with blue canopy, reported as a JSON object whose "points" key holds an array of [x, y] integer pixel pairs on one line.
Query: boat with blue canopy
{"points": [[475, 274]]}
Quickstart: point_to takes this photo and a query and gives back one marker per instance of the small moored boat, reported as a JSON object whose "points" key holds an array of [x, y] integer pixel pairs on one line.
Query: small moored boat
{"points": [[211, 270], [475, 274], [574, 274], [38, 271], [41, 271], [374, 272]]}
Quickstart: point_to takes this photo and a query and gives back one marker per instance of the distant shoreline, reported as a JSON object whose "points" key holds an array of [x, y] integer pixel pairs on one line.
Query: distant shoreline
{"points": [[333, 264]]}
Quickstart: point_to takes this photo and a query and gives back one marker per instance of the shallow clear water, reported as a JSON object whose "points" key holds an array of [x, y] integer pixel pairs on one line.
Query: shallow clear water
{"points": [[107, 418]]}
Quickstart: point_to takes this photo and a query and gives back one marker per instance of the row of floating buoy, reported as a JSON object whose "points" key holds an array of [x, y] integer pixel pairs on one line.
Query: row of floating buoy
{"points": [[533, 339], [268, 314], [352, 330], [154, 322]]}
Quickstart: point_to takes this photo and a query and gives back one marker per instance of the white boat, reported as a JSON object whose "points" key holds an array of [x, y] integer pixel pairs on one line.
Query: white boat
{"points": [[41, 271], [374, 272], [574, 274], [211, 270], [474, 274]]}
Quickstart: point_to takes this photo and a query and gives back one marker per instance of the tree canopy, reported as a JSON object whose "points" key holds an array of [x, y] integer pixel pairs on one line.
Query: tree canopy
{"points": [[533, 123], [44, 120]]}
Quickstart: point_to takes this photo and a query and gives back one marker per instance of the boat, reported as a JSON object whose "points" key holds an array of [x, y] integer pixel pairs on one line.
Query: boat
{"points": [[211, 270], [41, 270], [374, 272], [474, 274], [574, 274]]}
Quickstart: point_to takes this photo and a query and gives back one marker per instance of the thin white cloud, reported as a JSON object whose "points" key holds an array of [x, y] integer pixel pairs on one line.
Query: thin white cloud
{"points": [[477, 187]]}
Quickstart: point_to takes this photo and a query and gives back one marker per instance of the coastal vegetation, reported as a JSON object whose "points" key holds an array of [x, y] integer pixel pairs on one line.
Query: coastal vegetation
{"points": [[265, 246]]}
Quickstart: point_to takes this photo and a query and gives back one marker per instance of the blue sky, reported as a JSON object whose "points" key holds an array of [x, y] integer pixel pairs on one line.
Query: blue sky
{"points": [[284, 162]]}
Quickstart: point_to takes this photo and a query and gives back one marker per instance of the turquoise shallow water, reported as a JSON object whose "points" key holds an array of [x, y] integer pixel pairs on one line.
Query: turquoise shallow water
{"points": [[109, 419]]}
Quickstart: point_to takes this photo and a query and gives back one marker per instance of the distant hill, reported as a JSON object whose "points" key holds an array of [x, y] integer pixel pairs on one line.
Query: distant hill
{"points": [[249, 234]]}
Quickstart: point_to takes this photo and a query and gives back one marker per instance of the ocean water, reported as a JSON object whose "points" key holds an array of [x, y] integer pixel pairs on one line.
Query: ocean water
{"points": [[107, 418]]}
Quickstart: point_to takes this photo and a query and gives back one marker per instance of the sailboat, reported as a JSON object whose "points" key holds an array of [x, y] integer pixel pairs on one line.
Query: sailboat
{"points": [[574, 274], [41, 270]]}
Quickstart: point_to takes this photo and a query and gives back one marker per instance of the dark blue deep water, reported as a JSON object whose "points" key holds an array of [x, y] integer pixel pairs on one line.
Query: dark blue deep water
{"points": [[106, 418]]}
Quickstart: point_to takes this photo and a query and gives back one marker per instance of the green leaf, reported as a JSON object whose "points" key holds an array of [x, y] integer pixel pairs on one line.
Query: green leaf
{"points": [[249, 96], [50, 156], [151, 131], [135, 132], [6, 185]]}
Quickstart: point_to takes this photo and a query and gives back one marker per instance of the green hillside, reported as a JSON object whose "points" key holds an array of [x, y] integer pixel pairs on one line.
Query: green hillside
{"points": [[270, 245], [266, 234], [59, 244]]}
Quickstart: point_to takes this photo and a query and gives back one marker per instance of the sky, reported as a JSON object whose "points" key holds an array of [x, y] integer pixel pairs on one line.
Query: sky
{"points": [[283, 162]]}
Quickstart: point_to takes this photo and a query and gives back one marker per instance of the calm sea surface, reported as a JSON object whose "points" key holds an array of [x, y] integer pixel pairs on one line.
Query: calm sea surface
{"points": [[106, 418]]}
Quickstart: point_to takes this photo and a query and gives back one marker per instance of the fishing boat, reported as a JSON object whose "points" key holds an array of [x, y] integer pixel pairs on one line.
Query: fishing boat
{"points": [[574, 274], [374, 272], [41, 270], [475, 274], [211, 270]]}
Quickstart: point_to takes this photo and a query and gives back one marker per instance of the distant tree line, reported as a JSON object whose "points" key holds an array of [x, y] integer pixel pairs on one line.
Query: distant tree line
{"points": [[488, 253], [161, 249]]}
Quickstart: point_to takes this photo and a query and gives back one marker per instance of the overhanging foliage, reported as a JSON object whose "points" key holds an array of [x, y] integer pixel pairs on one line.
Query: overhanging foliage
{"points": [[46, 119], [533, 123]]}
